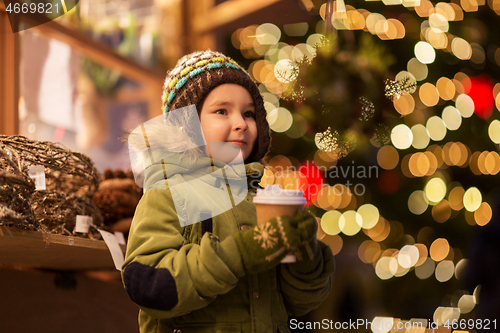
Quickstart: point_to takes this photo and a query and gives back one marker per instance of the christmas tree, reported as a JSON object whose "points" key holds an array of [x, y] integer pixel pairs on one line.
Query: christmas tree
{"points": [[386, 114]]}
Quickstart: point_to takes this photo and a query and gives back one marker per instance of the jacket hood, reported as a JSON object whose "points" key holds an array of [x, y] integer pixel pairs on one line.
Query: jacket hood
{"points": [[174, 139]]}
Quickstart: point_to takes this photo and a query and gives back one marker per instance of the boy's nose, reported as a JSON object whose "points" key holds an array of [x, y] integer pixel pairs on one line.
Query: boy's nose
{"points": [[240, 123]]}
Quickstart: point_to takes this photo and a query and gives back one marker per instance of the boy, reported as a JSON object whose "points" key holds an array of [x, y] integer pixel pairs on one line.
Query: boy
{"points": [[217, 275]]}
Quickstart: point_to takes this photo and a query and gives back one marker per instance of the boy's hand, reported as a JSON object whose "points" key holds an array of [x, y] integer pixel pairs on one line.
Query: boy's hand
{"points": [[307, 253], [307, 225], [263, 246]]}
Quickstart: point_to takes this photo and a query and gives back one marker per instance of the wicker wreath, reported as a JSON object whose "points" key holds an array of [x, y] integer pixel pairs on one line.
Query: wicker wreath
{"points": [[71, 181], [15, 189]]}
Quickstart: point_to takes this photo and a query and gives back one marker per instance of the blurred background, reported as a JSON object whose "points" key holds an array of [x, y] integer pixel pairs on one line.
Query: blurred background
{"points": [[385, 113]]}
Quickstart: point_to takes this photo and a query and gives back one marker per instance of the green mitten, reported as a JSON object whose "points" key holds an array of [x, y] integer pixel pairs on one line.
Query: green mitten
{"points": [[307, 253], [263, 246]]}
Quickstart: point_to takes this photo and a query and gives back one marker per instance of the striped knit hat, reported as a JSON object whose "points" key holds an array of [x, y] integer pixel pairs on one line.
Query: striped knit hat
{"points": [[196, 74]]}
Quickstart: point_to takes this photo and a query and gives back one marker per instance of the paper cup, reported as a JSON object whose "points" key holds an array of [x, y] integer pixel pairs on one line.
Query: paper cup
{"points": [[265, 212], [274, 201]]}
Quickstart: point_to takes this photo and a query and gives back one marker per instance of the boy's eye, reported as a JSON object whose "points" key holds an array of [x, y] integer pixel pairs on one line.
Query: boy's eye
{"points": [[249, 114]]}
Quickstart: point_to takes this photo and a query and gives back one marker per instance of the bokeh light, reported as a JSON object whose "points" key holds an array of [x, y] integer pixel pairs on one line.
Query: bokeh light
{"points": [[369, 251], [350, 223], [452, 118], [386, 267], [417, 69], [267, 177], [446, 10], [417, 202], [425, 270], [374, 19], [280, 119], [494, 131], [446, 88], [401, 136], [461, 269], [424, 8], [438, 21], [472, 199], [330, 222], [435, 190], [408, 256], [492, 163], [369, 215], [422, 254], [325, 160], [314, 39], [436, 128], [425, 53], [455, 198], [268, 34], [444, 270], [387, 157], [428, 94], [466, 303], [405, 104], [478, 55], [481, 93], [442, 211], [419, 164], [282, 70], [420, 136], [437, 38], [296, 29], [483, 214], [335, 242], [439, 249], [470, 5], [382, 324], [461, 48], [380, 231], [444, 315]]}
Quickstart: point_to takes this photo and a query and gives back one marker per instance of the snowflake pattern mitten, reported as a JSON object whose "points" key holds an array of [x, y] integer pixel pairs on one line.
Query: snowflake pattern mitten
{"points": [[263, 246]]}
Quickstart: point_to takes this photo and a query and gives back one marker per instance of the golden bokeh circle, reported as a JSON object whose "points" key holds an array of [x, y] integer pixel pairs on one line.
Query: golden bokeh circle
{"points": [[387, 157], [439, 249]]}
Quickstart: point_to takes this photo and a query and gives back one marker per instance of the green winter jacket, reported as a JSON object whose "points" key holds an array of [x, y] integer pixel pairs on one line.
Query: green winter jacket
{"points": [[191, 279]]}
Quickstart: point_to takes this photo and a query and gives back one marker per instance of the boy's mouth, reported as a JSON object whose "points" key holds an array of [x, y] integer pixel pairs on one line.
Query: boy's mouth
{"points": [[238, 142]]}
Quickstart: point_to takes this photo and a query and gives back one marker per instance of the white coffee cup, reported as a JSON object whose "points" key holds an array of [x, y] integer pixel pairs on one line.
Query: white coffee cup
{"points": [[274, 201]]}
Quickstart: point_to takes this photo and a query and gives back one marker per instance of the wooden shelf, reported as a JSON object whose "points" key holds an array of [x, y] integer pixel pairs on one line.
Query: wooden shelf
{"points": [[50, 251]]}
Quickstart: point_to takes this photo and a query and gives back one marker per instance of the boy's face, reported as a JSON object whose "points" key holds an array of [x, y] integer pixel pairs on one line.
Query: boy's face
{"points": [[228, 115]]}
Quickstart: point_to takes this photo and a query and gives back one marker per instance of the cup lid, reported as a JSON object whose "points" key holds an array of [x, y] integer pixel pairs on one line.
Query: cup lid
{"points": [[275, 195]]}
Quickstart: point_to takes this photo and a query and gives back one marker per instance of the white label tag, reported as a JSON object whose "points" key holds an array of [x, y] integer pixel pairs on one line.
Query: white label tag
{"points": [[37, 173], [83, 223], [120, 238], [114, 248]]}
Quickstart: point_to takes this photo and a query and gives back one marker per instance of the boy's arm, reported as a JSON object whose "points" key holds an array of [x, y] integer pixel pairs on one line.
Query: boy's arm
{"points": [[306, 283], [167, 277]]}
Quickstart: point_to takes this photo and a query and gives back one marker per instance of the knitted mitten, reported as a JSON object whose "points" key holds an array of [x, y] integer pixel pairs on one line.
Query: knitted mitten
{"points": [[307, 253], [263, 246]]}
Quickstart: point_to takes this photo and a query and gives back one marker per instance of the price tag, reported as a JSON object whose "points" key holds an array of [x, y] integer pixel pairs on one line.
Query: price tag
{"points": [[114, 248], [83, 223], [120, 238], [37, 173]]}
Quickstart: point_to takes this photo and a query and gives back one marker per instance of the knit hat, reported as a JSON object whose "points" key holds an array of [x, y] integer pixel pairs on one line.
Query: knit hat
{"points": [[196, 74]]}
